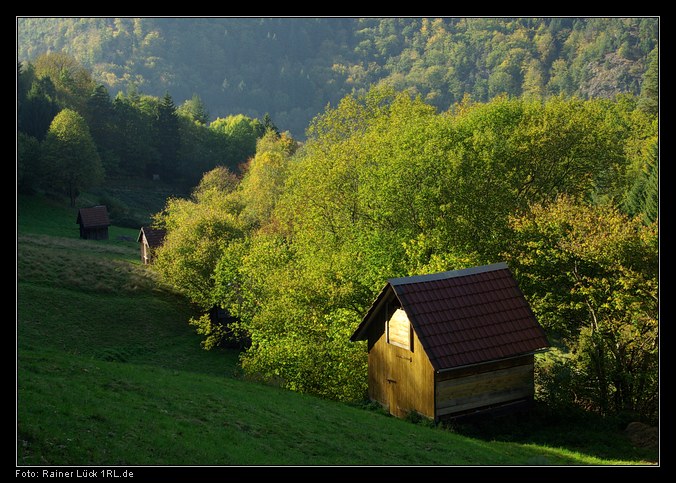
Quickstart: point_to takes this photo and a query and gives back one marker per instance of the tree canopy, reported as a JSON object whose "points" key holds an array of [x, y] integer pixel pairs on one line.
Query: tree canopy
{"points": [[71, 162]]}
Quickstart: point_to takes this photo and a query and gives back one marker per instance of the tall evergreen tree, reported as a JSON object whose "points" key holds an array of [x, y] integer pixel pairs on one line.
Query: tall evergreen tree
{"points": [[269, 125], [24, 80], [37, 108], [650, 88], [194, 109], [99, 113], [136, 145], [100, 117], [168, 140], [28, 162], [642, 200]]}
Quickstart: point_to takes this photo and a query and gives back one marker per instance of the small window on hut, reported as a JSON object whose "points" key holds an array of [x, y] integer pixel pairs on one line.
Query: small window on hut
{"points": [[399, 330]]}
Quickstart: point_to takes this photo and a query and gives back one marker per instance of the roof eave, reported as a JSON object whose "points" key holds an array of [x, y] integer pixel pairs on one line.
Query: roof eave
{"points": [[516, 356], [446, 275], [361, 332]]}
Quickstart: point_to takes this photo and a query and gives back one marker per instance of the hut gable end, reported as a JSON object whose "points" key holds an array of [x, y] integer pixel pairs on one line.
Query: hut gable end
{"points": [[150, 239]]}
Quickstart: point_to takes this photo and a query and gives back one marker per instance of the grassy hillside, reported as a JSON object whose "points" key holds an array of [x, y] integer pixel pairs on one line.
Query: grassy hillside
{"points": [[109, 373]]}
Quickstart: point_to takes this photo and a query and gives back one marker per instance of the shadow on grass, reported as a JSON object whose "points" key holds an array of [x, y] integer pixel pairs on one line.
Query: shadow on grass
{"points": [[573, 429]]}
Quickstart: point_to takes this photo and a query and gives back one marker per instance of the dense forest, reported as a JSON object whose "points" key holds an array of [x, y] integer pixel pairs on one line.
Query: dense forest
{"points": [[73, 135], [293, 67], [554, 169]]}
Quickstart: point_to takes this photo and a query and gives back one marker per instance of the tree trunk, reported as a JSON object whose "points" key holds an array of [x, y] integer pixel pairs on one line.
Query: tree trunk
{"points": [[72, 194], [599, 365]]}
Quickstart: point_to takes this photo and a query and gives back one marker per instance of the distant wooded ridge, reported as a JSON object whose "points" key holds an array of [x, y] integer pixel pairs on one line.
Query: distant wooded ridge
{"points": [[293, 67]]}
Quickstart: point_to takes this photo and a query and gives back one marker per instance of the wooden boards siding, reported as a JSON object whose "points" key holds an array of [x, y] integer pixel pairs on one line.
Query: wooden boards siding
{"points": [[145, 251], [100, 233], [487, 367], [399, 330], [486, 385], [404, 381], [400, 379]]}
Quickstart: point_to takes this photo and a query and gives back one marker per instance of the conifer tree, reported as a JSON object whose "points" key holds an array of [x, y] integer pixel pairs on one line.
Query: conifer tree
{"points": [[168, 140]]}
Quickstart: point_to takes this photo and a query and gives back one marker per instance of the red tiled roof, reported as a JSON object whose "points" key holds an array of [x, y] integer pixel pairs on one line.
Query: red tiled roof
{"points": [[154, 236], [464, 316], [93, 217]]}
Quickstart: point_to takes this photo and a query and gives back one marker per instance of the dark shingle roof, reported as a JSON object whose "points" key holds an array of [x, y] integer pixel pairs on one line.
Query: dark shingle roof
{"points": [[155, 236], [93, 217], [464, 317]]}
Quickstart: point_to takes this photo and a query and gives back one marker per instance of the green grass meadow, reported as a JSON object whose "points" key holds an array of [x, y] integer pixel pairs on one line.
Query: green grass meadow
{"points": [[110, 373]]}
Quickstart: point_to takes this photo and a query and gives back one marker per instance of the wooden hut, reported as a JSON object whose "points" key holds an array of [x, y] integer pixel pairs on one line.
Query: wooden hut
{"points": [[452, 343], [150, 239], [94, 222]]}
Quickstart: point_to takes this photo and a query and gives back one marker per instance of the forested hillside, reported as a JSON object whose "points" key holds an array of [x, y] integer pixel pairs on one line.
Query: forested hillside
{"points": [[291, 68]]}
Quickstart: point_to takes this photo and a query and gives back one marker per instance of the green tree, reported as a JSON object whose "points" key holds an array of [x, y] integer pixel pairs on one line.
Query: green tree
{"points": [[509, 153], [241, 133], [69, 154], [265, 176], [137, 154], [650, 87], [533, 80], [199, 151], [591, 277], [100, 117], [268, 124], [251, 201], [27, 163], [194, 109], [25, 76], [560, 80], [218, 182], [197, 231], [73, 82], [168, 138], [37, 108], [642, 199], [296, 340]]}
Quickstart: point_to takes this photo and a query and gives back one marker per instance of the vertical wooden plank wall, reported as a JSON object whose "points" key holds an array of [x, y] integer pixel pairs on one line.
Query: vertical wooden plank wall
{"points": [[399, 379]]}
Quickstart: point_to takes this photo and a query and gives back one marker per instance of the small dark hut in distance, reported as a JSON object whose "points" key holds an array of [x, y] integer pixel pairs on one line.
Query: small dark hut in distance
{"points": [[450, 344], [94, 222], [150, 239]]}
